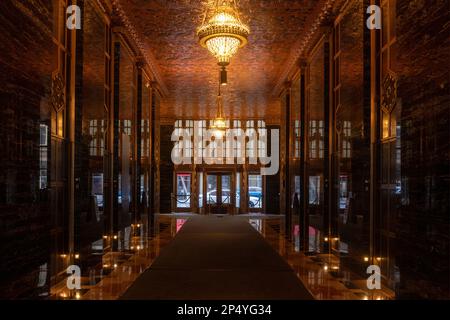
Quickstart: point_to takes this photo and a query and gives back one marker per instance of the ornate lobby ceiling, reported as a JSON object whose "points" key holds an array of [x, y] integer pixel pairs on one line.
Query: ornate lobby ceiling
{"points": [[167, 30]]}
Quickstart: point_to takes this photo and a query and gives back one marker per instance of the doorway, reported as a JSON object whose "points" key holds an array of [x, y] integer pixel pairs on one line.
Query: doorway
{"points": [[219, 193]]}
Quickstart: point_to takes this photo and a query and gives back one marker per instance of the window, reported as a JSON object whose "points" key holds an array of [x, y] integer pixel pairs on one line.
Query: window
{"points": [[316, 133], [250, 145], [314, 190], [262, 132], [212, 144], [200, 189], [183, 186], [185, 148], [346, 140], [124, 129], [255, 191], [43, 156], [145, 138], [201, 132], [343, 192], [97, 189], [297, 185], [189, 127], [97, 143], [237, 147], [297, 138], [178, 131], [238, 189]]}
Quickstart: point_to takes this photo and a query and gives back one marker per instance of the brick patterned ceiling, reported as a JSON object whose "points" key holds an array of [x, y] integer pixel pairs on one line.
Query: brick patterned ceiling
{"points": [[167, 28]]}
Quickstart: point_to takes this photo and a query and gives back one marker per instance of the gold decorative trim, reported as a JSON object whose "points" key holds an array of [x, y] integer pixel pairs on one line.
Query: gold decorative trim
{"points": [[58, 96], [389, 94]]}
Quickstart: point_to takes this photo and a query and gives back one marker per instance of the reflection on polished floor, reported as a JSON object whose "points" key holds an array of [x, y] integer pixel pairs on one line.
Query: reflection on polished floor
{"points": [[325, 130], [321, 274]]}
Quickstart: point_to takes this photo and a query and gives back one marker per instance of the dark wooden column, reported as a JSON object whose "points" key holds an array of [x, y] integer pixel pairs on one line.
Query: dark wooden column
{"points": [[272, 181], [287, 177], [304, 195], [115, 137], [328, 143], [138, 149], [375, 82], [151, 190]]}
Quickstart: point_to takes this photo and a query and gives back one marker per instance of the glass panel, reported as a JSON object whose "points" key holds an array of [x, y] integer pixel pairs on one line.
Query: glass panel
{"points": [[315, 190], [238, 190], [125, 134], [90, 147], [316, 140], [43, 157], [255, 191], [183, 190], [226, 189], [145, 144], [297, 186], [200, 189], [28, 56], [211, 189], [349, 239]]}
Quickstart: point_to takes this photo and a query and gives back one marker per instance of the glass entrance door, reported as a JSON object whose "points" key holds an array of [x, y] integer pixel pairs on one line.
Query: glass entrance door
{"points": [[219, 193]]}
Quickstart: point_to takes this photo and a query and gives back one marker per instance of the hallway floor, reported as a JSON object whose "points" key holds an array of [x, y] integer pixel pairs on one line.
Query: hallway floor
{"points": [[186, 246], [218, 257]]}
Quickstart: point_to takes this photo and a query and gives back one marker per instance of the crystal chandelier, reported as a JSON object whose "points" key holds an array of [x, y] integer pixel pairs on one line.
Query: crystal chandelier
{"points": [[224, 33]]}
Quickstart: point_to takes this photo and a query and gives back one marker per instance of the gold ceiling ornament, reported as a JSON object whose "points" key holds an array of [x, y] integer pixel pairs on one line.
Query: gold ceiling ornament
{"points": [[223, 33]]}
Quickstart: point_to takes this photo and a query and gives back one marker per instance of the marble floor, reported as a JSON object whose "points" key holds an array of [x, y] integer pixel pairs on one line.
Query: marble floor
{"points": [[322, 274]]}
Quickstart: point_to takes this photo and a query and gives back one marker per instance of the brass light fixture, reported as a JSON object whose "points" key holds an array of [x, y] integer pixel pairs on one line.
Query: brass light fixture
{"points": [[219, 124], [223, 33]]}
